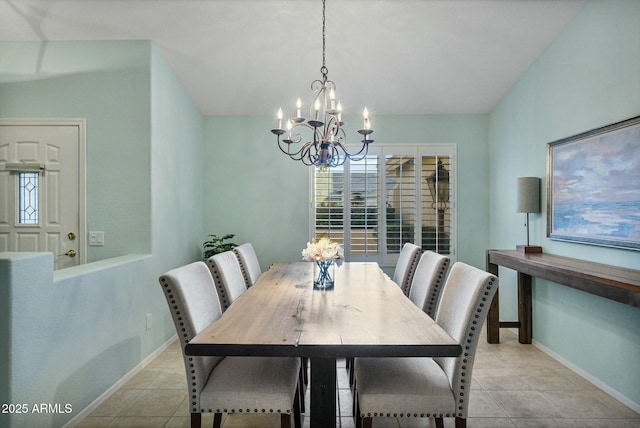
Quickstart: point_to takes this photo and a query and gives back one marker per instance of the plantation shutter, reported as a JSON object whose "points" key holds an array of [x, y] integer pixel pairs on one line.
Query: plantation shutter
{"points": [[400, 196], [328, 204], [397, 194], [436, 210], [363, 208]]}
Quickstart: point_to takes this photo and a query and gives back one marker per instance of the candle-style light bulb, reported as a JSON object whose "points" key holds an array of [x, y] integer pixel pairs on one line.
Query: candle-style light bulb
{"points": [[298, 106], [289, 127], [279, 116], [332, 98], [339, 108], [365, 116], [316, 107]]}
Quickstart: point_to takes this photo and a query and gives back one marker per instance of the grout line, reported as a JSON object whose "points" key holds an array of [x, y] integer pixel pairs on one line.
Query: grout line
{"points": [[586, 376], [116, 386]]}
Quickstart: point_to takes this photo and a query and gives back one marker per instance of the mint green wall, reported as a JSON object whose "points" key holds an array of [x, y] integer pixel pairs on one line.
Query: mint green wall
{"points": [[108, 84], [68, 336], [177, 168], [252, 190], [262, 196], [589, 77]]}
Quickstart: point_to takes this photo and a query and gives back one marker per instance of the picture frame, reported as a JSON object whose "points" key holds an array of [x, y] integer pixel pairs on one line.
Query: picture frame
{"points": [[593, 186]]}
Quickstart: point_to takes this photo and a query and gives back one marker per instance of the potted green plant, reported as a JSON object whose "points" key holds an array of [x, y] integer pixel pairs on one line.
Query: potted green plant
{"points": [[217, 244]]}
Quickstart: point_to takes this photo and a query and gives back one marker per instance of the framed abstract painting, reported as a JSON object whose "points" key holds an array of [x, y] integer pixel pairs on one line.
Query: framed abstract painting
{"points": [[593, 186]]}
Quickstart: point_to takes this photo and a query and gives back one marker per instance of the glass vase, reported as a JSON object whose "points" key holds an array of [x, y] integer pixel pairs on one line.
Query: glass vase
{"points": [[324, 275]]}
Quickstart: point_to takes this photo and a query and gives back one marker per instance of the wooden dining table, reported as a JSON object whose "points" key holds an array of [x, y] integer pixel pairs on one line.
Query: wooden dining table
{"points": [[365, 315]]}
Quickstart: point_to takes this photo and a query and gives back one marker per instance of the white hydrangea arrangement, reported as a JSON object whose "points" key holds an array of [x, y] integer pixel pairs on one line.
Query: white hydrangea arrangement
{"points": [[323, 249]]}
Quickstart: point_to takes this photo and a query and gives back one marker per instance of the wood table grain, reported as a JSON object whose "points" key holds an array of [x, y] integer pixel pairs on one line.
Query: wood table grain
{"points": [[365, 315]]}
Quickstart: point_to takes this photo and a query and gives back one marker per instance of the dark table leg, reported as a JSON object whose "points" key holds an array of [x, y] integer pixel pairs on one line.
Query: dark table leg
{"points": [[323, 392], [525, 331]]}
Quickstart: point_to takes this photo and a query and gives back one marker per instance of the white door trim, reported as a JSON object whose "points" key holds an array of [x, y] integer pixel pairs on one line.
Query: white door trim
{"points": [[82, 168]]}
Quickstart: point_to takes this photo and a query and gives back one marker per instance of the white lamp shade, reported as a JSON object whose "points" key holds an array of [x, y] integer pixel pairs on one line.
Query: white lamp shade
{"points": [[528, 195]]}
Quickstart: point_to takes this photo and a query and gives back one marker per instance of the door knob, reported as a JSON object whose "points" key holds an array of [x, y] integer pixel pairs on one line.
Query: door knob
{"points": [[70, 253]]}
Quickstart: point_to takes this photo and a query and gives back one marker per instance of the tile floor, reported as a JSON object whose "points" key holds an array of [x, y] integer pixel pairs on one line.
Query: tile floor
{"points": [[513, 385]]}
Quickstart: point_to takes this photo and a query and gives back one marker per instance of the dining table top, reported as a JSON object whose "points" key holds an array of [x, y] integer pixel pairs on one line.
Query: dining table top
{"points": [[365, 315]]}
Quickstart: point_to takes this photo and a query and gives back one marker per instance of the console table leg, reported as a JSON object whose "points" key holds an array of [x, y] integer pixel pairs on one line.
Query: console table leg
{"points": [[524, 308]]}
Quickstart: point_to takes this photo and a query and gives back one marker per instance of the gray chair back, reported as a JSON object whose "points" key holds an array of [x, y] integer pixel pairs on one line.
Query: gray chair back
{"points": [[248, 263], [227, 276], [428, 280], [406, 265], [462, 310], [194, 305]]}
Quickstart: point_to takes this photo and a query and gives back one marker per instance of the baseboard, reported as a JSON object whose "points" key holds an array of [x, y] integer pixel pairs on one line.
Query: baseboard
{"points": [[105, 395], [587, 376]]}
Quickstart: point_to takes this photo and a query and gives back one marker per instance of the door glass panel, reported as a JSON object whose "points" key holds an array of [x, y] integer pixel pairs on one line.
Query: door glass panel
{"points": [[28, 197]]}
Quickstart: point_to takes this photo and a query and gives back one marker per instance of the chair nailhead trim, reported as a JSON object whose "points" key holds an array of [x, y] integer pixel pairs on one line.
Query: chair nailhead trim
{"points": [[286, 411]]}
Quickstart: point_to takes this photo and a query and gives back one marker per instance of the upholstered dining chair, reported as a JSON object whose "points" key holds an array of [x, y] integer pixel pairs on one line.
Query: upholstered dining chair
{"points": [[428, 280], [406, 265], [426, 285], [226, 384], [227, 276], [248, 263], [431, 387]]}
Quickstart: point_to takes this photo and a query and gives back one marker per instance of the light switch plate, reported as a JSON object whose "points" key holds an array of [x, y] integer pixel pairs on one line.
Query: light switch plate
{"points": [[96, 238]]}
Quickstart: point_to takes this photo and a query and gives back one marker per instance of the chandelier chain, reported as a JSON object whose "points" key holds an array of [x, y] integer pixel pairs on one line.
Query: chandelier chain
{"points": [[323, 70]]}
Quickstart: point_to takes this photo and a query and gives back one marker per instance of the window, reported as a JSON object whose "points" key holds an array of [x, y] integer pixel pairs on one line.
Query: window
{"points": [[28, 198], [396, 194]]}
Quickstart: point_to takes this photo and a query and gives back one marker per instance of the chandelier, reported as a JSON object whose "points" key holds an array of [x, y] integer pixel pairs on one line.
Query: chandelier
{"points": [[326, 146]]}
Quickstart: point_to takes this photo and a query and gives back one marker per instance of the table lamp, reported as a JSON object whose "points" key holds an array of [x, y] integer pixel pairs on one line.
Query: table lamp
{"points": [[528, 202]]}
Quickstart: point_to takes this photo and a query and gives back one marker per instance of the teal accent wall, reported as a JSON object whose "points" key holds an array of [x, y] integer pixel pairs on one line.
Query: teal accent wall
{"points": [[253, 190], [177, 168], [68, 336], [108, 84], [256, 192], [587, 78]]}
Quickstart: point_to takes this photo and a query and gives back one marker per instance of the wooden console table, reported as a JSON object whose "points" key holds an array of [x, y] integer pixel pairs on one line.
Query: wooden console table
{"points": [[615, 283]]}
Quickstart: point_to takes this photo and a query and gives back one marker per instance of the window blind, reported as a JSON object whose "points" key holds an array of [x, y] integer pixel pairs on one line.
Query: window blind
{"points": [[375, 205]]}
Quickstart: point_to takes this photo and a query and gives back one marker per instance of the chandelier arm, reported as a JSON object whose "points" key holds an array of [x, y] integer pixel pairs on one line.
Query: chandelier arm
{"points": [[303, 153], [304, 125], [333, 125], [321, 85], [335, 156], [356, 156], [308, 158], [287, 152], [337, 159], [344, 137]]}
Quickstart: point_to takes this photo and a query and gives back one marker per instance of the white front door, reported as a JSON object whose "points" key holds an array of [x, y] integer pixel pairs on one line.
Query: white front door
{"points": [[42, 188]]}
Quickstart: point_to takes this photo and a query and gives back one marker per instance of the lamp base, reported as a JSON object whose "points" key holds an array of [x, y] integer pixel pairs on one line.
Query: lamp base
{"points": [[528, 249]]}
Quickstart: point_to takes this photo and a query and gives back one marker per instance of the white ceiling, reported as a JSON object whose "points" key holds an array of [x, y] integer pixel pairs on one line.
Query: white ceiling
{"points": [[238, 57]]}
